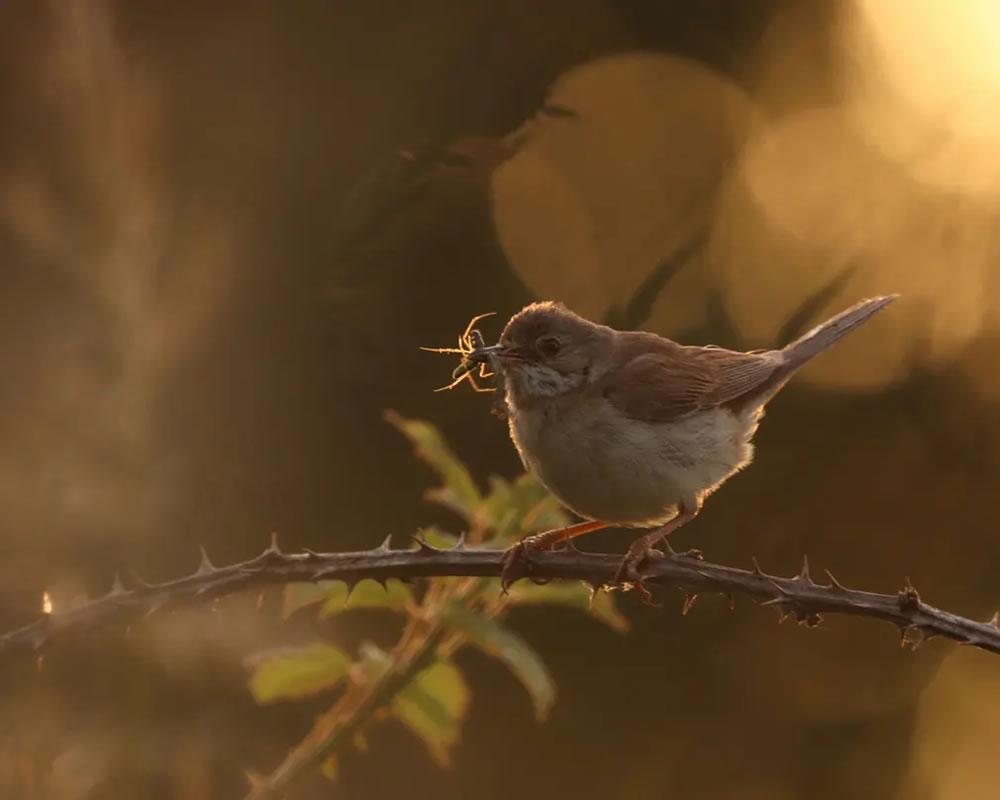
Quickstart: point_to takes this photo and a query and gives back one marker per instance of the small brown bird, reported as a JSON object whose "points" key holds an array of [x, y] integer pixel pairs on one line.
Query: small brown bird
{"points": [[631, 429]]}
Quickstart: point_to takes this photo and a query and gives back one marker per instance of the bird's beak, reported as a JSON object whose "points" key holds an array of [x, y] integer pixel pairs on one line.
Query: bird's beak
{"points": [[482, 355]]}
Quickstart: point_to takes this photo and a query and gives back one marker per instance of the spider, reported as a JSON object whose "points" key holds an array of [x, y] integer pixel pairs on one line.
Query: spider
{"points": [[470, 341]]}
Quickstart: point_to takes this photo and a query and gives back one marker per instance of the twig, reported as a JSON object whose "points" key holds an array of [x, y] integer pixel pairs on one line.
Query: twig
{"points": [[799, 595]]}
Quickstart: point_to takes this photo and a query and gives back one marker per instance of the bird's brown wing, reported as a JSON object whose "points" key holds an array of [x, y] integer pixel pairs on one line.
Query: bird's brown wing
{"points": [[662, 385]]}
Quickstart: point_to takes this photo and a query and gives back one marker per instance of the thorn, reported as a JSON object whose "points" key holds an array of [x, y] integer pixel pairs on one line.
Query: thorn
{"points": [[350, 584], [689, 599], [205, 567], [424, 548], [117, 588], [778, 602], [155, 604], [272, 551], [732, 600], [570, 546], [385, 547], [835, 585], [757, 571], [139, 580], [311, 555], [804, 572], [909, 598], [382, 582], [460, 544], [994, 619]]}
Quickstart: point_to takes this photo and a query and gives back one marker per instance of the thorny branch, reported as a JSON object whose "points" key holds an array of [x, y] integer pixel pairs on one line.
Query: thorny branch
{"points": [[800, 595]]}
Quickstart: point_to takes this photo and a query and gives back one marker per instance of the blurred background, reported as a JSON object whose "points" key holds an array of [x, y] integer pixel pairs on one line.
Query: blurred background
{"points": [[225, 229]]}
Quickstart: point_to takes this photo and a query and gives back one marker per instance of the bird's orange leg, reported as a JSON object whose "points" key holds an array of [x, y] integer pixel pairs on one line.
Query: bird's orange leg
{"points": [[515, 557]]}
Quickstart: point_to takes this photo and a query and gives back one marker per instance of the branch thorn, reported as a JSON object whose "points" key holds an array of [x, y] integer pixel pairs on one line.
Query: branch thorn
{"points": [[272, 551], [117, 588], [205, 566], [909, 599], [139, 580], [425, 548], [155, 604], [835, 585]]}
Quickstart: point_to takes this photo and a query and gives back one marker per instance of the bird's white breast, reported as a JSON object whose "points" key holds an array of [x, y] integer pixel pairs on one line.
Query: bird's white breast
{"points": [[629, 472]]}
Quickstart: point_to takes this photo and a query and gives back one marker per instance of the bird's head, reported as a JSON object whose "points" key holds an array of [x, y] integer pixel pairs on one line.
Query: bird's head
{"points": [[546, 350]]}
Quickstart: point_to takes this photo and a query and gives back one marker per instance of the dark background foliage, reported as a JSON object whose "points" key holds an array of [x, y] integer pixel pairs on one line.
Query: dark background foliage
{"points": [[216, 271]]}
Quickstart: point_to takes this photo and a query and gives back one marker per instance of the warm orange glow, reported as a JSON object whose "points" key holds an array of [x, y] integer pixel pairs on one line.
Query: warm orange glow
{"points": [[46, 603], [925, 79]]}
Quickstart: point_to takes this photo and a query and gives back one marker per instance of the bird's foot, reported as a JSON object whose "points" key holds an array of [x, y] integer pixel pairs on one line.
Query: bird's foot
{"points": [[639, 552], [517, 559]]}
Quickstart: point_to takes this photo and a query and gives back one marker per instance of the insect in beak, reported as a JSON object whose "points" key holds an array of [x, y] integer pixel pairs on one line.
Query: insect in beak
{"points": [[482, 355], [472, 347]]}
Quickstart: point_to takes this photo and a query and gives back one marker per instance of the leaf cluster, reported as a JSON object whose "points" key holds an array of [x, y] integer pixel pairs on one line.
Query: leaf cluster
{"points": [[417, 683]]}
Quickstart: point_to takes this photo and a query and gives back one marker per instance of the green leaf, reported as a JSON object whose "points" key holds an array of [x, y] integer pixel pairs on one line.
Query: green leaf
{"points": [[300, 595], [510, 648], [289, 674], [367, 594], [433, 706], [459, 492], [601, 605]]}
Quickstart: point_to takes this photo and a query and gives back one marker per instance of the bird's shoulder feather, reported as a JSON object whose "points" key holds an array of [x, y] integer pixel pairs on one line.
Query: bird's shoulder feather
{"points": [[661, 380]]}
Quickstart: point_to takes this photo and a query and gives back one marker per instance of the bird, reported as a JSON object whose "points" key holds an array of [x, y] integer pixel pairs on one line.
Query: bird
{"points": [[631, 429]]}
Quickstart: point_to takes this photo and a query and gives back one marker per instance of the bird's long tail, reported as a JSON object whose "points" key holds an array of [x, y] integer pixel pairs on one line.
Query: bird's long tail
{"points": [[807, 347], [825, 335]]}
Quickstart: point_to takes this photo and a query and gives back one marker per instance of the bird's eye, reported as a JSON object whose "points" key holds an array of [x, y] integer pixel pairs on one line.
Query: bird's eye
{"points": [[548, 346]]}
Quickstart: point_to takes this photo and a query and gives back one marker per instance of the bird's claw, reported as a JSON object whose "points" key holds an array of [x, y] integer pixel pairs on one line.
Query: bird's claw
{"points": [[517, 561], [628, 571], [637, 555]]}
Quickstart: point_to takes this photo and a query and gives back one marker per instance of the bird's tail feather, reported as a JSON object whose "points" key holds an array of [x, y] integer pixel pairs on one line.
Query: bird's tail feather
{"points": [[825, 335], [811, 344]]}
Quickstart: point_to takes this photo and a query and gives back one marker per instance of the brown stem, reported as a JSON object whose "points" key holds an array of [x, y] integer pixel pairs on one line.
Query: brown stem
{"points": [[799, 595]]}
